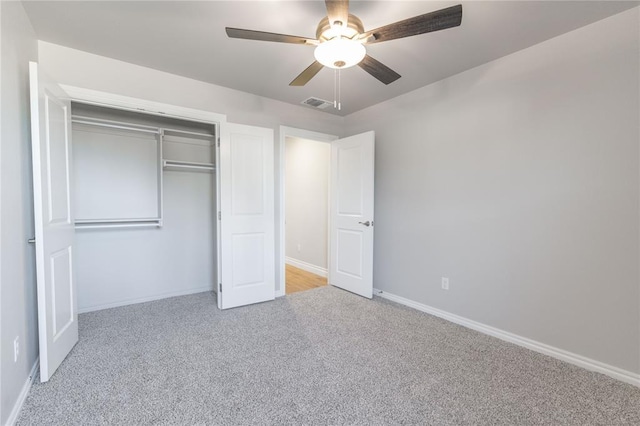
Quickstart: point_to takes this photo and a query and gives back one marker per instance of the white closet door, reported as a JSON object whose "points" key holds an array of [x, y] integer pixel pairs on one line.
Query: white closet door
{"points": [[247, 216], [54, 221], [351, 253]]}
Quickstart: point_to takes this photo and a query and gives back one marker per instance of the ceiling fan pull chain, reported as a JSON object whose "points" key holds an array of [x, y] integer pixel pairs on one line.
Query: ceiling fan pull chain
{"points": [[339, 90], [335, 88]]}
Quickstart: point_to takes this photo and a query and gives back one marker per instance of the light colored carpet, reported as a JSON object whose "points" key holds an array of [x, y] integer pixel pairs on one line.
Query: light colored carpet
{"points": [[323, 356]]}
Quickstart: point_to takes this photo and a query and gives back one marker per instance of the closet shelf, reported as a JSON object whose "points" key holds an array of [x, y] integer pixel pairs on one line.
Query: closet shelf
{"points": [[188, 166], [206, 136]]}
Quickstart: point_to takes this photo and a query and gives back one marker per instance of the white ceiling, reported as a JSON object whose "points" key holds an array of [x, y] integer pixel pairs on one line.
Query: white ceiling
{"points": [[188, 39]]}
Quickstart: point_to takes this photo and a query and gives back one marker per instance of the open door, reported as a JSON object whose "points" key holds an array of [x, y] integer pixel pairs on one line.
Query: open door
{"points": [[247, 216], [351, 214], [54, 221]]}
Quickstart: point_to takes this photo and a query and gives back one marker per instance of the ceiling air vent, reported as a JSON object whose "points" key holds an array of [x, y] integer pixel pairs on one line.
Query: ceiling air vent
{"points": [[317, 103]]}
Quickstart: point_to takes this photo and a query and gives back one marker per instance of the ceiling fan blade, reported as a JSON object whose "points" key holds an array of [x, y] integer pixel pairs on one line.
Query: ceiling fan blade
{"points": [[379, 70], [429, 22], [264, 36], [338, 10], [307, 74]]}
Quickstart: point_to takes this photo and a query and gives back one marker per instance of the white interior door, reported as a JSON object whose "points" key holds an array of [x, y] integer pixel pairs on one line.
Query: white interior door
{"points": [[247, 216], [351, 214], [54, 221]]}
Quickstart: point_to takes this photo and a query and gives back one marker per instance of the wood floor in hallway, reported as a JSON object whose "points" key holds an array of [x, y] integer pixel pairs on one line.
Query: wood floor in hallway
{"points": [[301, 280]]}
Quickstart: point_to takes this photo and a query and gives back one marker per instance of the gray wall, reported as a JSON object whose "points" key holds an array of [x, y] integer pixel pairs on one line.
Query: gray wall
{"points": [[17, 258], [307, 200], [82, 69], [120, 266], [518, 180], [128, 265]]}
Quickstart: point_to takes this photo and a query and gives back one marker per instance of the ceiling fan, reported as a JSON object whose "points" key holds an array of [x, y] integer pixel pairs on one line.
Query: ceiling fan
{"points": [[340, 39]]}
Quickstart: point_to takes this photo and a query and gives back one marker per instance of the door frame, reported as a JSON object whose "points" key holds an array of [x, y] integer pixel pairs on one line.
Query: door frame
{"points": [[285, 131], [112, 100]]}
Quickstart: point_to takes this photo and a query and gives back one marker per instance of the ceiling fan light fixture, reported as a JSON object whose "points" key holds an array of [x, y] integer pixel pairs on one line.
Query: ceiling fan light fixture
{"points": [[339, 53]]}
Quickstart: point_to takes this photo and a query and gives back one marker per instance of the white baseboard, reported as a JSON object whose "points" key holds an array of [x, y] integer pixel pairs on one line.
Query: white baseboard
{"points": [[17, 407], [133, 301], [572, 358], [306, 266]]}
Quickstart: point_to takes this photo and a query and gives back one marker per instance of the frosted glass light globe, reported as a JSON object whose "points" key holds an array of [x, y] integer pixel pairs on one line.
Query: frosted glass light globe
{"points": [[340, 53]]}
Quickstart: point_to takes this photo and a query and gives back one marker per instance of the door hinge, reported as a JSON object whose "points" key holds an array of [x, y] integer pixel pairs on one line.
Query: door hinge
{"points": [[218, 142], [220, 288], [219, 215]]}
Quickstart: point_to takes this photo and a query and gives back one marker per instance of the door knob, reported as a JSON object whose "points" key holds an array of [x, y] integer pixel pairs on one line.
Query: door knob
{"points": [[367, 223]]}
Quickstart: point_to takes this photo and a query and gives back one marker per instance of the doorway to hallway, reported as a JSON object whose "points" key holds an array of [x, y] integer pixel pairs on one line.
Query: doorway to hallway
{"points": [[306, 213]]}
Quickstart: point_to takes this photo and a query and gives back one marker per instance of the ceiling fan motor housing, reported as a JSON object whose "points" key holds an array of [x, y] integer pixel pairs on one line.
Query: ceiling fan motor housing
{"points": [[326, 32]]}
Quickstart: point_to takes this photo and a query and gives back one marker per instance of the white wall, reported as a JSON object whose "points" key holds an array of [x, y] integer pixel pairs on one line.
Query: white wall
{"points": [[306, 201], [518, 180], [17, 258], [82, 69]]}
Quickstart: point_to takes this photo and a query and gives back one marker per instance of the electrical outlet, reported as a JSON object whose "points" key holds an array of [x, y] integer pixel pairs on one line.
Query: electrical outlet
{"points": [[445, 283], [16, 348], [299, 248]]}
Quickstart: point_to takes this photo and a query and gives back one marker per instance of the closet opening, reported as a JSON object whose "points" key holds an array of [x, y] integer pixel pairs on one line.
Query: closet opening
{"points": [[306, 210], [145, 198]]}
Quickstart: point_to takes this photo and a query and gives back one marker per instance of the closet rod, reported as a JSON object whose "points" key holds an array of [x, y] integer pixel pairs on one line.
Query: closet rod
{"points": [[184, 166], [115, 126], [91, 221], [188, 165], [120, 225]]}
